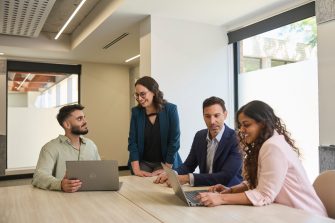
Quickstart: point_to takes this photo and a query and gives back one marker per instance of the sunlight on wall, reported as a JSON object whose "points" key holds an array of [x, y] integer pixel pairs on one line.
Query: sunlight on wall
{"points": [[292, 91]]}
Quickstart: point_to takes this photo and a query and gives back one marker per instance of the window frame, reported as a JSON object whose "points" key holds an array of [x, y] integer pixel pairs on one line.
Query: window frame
{"points": [[285, 18]]}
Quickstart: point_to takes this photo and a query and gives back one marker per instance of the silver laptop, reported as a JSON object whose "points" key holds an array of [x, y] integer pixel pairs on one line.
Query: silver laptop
{"points": [[95, 175], [189, 197]]}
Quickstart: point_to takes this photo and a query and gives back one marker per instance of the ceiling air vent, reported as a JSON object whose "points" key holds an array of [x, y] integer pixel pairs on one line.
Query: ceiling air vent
{"points": [[115, 41], [24, 17]]}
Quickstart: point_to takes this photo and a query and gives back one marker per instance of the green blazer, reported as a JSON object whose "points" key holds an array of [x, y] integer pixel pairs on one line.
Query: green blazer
{"points": [[169, 131]]}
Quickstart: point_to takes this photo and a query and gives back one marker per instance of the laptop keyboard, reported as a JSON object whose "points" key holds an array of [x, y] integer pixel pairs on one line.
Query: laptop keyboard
{"points": [[192, 195]]}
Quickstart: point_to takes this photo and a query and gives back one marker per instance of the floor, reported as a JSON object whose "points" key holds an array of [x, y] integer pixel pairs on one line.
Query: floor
{"points": [[7, 183]]}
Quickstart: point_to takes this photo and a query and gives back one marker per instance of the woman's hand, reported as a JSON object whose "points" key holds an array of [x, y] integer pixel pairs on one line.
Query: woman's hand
{"points": [[137, 170], [142, 173], [210, 199]]}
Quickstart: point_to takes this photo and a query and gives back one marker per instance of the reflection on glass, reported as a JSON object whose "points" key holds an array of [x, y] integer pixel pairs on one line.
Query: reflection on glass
{"points": [[40, 90], [288, 44]]}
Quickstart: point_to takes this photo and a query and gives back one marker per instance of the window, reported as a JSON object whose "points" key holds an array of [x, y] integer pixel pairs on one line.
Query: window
{"points": [[275, 63], [286, 78], [287, 44], [251, 64]]}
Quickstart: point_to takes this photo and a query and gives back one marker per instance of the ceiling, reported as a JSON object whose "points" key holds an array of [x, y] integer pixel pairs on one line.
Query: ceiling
{"points": [[107, 31]]}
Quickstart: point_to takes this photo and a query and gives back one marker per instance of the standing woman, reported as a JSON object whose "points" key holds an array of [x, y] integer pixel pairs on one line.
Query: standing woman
{"points": [[154, 131], [272, 169]]}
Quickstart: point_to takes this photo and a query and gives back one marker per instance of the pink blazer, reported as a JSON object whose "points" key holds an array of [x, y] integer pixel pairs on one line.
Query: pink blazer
{"points": [[282, 179]]}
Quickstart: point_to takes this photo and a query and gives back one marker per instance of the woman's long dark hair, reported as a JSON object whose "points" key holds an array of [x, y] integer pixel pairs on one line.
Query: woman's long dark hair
{"points": [[264, 114], [153, 86]]}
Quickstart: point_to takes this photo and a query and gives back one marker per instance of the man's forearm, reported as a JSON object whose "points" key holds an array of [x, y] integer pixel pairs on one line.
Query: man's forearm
{"points": [[47, 182]]}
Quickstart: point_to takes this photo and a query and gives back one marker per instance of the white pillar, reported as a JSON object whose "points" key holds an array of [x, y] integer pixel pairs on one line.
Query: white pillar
{"points": [[326, 67], [189, 61], [145, 48]]}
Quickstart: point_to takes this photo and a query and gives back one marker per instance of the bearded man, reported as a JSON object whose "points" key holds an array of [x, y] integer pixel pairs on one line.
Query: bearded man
{"points": [[50, 172]]}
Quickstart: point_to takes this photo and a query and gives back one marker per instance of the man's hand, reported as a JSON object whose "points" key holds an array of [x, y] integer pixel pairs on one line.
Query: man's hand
{"points": [[183, 179], [161, 178], [157, 172], [70, 186], [219, 188]]}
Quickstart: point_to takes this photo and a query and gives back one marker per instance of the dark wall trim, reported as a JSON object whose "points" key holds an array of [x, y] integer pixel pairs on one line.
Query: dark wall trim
{"points": [[13, 65], [30, 175], [294, 15], [236, 53], [123, 167], [16, 177]]}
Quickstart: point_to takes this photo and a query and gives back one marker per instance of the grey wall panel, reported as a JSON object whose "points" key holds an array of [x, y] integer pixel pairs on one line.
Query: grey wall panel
{"points": [[326, 158], [3, 155], [325, 10], [3, 111]]}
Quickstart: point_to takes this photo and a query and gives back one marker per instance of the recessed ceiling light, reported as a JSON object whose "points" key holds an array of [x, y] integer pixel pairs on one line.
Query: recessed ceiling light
{"points": [[1, 53], [69, 20], [132, 58]]}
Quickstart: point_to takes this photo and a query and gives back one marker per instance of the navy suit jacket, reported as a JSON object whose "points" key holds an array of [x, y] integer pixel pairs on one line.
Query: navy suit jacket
{"points": [[227, 163], [169, 131]]}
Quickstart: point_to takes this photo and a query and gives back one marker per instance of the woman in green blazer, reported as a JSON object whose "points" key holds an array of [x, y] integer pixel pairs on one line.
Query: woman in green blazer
{"points": [[154, 131]]}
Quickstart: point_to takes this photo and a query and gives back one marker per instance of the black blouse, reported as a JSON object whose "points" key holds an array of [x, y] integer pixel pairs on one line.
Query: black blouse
{"points": [[152, 141]]}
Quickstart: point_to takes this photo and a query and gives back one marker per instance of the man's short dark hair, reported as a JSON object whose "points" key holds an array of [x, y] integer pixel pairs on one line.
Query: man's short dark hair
{"points": [[66, 111], [213, 101]]}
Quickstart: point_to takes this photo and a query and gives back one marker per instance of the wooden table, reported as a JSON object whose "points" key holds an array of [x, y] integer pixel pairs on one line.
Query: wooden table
{"points": [[29, 204], [160, 201], [139, 200]]}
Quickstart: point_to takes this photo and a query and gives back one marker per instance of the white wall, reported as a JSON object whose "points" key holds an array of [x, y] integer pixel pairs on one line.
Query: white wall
{"points": [[189, 61], [145, 47], [105, 95], [326, 69], [134, 74], [28, 130]]}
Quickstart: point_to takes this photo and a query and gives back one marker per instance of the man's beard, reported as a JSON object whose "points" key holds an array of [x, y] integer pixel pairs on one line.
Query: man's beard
{"points": [[76, 131]]}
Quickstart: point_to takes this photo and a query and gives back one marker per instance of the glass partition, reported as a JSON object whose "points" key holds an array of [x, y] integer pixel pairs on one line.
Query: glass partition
{"points": [[34, 99]]}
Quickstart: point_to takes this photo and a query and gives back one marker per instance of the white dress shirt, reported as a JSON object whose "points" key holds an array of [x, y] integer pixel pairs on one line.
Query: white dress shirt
{"points": [[212, 145]]}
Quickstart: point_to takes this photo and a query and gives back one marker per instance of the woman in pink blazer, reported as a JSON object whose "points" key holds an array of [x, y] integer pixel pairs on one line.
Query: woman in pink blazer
{"points": [[272, 169]]}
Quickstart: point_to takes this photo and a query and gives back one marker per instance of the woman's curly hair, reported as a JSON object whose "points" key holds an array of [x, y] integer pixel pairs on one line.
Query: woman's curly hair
{"points": [[264, 114], [153, 86]]}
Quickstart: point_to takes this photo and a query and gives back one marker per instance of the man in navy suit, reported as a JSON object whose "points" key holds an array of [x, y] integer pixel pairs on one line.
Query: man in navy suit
{"points": [[215, 150]]}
